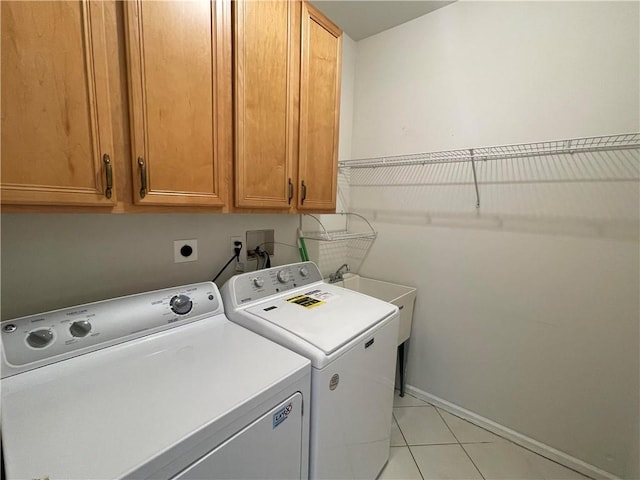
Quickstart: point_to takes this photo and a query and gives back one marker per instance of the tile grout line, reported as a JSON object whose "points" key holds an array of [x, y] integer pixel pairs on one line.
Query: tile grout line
{"points": [[507, 441], [459, 443], [462, 445], [407, 445], [456, 443], [401, 433], [415, 462], [469, 456], [450, 443], [428, 444]]}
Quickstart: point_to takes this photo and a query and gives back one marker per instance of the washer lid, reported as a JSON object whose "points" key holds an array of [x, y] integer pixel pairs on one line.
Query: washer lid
{"points": [[323, 315], [136, 405]]}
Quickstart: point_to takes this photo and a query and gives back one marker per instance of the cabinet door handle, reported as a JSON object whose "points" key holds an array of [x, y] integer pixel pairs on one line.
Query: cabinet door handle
{"points": [[290, 191], [304, 193], [143, 177], [109, 174]]}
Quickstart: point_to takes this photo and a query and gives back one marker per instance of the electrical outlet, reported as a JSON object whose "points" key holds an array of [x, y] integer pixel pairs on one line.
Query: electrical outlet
{"points": [[235, 239], [185, 251], [239, 267]]}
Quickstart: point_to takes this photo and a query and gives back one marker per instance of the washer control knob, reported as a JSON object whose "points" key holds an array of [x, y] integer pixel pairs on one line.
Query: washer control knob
{"points": [[283, 276], [81, 328], [40, 338], [258, 282], [303, 271], [181, 304]]}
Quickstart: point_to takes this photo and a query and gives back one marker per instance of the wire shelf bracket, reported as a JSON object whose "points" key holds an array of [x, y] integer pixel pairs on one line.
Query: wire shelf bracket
{"points": [[350, 245], [475, 177], [326, 236]]}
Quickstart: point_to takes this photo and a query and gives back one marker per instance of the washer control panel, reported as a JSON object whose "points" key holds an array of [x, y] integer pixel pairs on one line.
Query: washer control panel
{"points": [[251, 286], [45, 338]]}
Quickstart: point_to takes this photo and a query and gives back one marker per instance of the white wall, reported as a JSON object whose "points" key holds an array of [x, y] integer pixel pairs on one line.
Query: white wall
{"points": [[528, 308], [57, 260], [485, 73]]}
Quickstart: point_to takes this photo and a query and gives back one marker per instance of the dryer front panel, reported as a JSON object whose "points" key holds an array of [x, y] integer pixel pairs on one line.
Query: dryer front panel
{"points": [[270, 448]]}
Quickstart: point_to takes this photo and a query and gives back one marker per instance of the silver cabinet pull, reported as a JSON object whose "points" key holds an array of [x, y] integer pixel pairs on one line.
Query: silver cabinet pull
{"points": [[304, 193]]}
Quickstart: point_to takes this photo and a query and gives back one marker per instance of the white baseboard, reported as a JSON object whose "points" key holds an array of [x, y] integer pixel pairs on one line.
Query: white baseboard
{"points": [[516, 437]]}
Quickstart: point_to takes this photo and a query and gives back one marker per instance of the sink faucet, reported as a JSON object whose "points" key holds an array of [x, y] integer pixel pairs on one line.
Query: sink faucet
{"points": [[336, 277]]}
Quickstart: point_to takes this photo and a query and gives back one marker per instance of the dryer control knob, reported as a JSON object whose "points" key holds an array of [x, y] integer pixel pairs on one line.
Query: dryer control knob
{"points": [[40, 338], [283, 276], [181, 304], [80, 328], [303, 271], [258, 282]]}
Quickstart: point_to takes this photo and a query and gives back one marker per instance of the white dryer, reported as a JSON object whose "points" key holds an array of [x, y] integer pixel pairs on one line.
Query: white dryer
{"points": [[157, 385], [350, 339]]}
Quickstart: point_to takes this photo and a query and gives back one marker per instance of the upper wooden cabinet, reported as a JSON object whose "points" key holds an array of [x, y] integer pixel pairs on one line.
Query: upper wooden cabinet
{"points": [[56, 125], [287, 90], [179, 81], [68, 68], [319, 111], [267, 51]]}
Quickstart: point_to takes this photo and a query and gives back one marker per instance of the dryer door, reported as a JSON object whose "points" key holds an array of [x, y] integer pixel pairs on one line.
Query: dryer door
{"points": [[268, 448]]}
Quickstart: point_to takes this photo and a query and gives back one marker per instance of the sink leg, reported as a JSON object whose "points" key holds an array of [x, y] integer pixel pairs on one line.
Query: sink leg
{"points": [[401, 364]]}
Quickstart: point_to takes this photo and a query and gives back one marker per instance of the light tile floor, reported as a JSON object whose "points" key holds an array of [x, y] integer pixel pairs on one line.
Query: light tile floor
{"points": [[428, 443]]}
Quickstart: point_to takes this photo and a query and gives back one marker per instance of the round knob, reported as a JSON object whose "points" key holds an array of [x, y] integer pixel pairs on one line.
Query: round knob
{"points": [[81, 328], [283, 276], [40, 338], [181, 304], [303, 271], [258, 282], [10, 328]]}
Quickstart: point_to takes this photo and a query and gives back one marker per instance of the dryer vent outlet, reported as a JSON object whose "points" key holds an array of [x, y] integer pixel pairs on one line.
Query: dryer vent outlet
{"points": [[185, 251]]}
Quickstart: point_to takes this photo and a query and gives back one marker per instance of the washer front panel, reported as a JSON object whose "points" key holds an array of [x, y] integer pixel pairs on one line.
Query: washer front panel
{"points": [[252, 286]]}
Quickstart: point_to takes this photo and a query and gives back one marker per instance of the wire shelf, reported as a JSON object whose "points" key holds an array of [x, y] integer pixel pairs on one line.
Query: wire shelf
{"points": [[520, 150], [549, 149]]}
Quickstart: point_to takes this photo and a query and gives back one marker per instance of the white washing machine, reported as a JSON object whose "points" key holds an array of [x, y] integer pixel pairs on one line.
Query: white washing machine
{"points": [[350, 339], [157, 385]]}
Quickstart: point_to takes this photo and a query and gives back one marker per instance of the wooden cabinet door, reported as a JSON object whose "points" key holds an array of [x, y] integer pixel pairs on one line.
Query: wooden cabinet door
{"points": [[267, 57], [180, 97], [56, 125], [319, 111]]}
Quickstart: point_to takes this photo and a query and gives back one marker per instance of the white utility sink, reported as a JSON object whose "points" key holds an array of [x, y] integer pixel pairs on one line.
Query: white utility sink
{"points": [[401, 295]]}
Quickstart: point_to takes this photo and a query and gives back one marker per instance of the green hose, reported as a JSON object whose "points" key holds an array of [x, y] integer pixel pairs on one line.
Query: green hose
{"points": [[303, 250]]}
